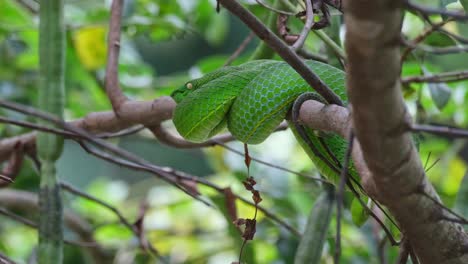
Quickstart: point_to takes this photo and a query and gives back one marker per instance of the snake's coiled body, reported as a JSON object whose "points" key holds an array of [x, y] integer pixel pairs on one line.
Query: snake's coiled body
{"points": [[252, 99]]}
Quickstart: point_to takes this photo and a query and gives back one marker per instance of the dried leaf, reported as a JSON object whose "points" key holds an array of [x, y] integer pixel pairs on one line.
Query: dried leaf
{"points": [[230, 203]]}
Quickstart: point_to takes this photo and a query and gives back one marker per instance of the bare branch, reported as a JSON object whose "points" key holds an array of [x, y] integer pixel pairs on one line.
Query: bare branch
{"points": [[239, 49], [113, 90], [435, 11], [147, 113], [439, 130], [444, 77], [260, 2], [307, 26], [169, 139], [421, 37], [138, 233], [339, 197]]}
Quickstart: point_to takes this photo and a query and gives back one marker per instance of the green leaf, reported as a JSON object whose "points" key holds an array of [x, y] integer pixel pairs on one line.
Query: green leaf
{"points": [[438, 39], [440, 94], [13, 16], [358, 213], [311, 245], [217, 29], [464, 3]]}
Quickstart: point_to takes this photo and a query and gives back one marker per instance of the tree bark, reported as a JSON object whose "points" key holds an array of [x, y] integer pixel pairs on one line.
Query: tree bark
{"points": [[380, 121]]}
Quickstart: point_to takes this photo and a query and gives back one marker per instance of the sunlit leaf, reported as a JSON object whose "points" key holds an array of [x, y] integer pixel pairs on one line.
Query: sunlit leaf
{"points": [[13, 16], [91, 46], [464, 3]]}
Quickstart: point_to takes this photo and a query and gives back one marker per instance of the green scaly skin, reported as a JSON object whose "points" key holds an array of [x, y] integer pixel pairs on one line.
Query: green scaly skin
{"points": [[252, 99]]}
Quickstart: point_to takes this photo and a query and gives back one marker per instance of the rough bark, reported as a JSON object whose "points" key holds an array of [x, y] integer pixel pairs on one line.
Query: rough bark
{"points": [[380, 120]]}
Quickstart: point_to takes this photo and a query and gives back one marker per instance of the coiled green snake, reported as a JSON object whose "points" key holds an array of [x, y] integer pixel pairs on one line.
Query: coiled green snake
{"points": [[251, 100]]}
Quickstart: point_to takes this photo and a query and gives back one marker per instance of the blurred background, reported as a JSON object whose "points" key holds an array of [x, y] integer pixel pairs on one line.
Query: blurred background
{"points": [[164, 44]]}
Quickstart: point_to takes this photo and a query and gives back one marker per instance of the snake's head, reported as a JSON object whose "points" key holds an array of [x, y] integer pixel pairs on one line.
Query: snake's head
{"points": [[189, 87], [179, 94]]}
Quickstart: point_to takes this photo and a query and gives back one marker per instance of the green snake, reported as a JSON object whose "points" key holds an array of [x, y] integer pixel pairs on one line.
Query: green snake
{"points": [[252, 99]]}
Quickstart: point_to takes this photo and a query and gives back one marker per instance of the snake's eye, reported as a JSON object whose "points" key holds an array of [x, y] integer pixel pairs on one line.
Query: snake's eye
{"points": [[189, 86]]}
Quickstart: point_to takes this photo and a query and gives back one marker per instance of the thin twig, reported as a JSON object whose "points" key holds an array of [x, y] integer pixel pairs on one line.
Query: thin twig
{"points": [[435, 11], [36, 126], [434, 50], [459, 218], [421, 38], [5, 260], [82, 194], [439, 130], [122, 219], [68, 134], [340, 195], [456, 37], [273, 165], [121, 133], [307, 26], [444, 77], [240, 49], [312, 56], [443, 50], [34, 225], [143, 166], [169, 139], [275, 9]]}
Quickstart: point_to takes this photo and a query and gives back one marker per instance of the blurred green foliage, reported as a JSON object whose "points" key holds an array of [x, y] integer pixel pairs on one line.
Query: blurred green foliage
{"points": [[164, 44]]}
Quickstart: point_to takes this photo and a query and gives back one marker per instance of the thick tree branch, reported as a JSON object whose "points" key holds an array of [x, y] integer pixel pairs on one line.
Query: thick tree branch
{"points": [[113, 90], [379, 117], [148, 113]]}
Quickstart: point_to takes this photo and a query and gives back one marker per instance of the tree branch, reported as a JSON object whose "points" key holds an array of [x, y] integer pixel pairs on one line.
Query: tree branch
{"points": [[113, 90], [372, 45], [307, 26], [147, 113]]}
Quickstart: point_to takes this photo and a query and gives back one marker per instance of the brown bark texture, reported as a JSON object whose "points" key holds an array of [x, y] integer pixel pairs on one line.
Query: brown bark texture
{"points": [[380, 120]]}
